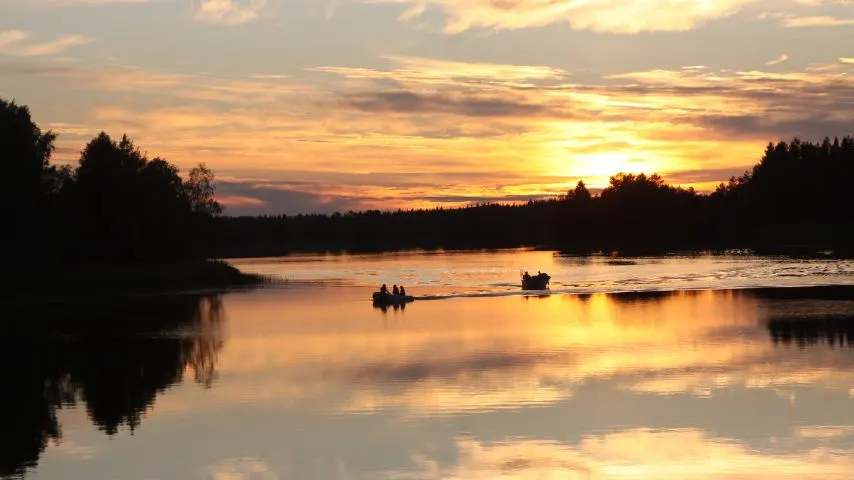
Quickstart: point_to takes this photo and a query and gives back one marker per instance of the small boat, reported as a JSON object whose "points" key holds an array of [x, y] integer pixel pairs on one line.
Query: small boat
{"points": [[391, 299], [535, 282]]}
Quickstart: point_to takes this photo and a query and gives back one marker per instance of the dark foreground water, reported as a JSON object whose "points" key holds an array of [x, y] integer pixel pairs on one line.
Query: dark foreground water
{"points": [[308, 381]]}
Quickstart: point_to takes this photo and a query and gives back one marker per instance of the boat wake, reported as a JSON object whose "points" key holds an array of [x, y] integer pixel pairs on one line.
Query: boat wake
{"points": [[495, 275], [616, 290]]}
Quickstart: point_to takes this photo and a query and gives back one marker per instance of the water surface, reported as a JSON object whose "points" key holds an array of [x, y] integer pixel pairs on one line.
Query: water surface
{"points": [[498, 272], [307, 380]]}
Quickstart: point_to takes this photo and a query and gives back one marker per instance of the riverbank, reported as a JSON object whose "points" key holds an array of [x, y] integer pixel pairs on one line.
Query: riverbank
{"points": [[74, 282]]}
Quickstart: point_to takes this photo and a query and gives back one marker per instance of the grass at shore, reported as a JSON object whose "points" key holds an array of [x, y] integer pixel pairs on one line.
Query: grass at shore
{"points": [[67, 282]]}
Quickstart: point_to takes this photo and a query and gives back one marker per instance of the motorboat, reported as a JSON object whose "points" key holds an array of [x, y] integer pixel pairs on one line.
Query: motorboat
{"points": [[535, 282], [381, 298]]}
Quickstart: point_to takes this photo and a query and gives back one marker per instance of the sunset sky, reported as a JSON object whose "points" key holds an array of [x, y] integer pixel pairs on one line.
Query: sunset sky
{"points": [[325, 105]]}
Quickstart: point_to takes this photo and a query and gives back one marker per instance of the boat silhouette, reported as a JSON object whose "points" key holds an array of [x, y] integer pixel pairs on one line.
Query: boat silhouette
{"points": [[381, 298], [540, 281]]}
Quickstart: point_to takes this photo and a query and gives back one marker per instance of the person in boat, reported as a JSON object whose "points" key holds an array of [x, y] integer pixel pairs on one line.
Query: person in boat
{"points": [[402, 291], [395, 291], [526, 276], [384, 290]]}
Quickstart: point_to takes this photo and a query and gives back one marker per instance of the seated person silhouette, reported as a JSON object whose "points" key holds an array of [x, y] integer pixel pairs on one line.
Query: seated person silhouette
{"points": [[395, 291], [384, 290], [402, 291]]}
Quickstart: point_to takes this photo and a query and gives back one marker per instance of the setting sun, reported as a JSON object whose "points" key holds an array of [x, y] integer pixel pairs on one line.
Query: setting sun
{"points": [[598, 167], [595, 169]]}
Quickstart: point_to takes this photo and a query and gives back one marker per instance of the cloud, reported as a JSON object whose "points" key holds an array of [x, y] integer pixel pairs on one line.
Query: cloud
{"points": [[817, 3], [422, 132], [9, 37], [443, 73], [607, 16], [807, 104], [73, 3], [14, 42], [252, 89], [313, 192], [819, 21], [438, 69], [688, 93], [825, 431], [253, 199], [813, 126], [689, 177], [782, 58], [92, 2], [229, 12], [414, 103]]}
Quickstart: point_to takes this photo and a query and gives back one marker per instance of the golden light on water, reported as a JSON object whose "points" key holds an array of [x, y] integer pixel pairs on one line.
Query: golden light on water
{"points": [[506, 352], [643, 385], [570, 357]]}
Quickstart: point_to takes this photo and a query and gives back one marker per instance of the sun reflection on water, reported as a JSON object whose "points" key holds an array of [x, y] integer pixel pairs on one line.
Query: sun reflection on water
{"points": [[318, 384]]}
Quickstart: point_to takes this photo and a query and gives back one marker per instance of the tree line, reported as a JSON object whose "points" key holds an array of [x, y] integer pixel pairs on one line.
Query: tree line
{"points": [[116, 206], [796, 198]]}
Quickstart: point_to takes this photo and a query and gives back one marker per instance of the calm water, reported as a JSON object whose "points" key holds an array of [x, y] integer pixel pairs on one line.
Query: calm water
{"points": [[689, 375]]}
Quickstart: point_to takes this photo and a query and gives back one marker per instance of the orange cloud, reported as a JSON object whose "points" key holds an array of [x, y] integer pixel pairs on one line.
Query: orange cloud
{"points": [[782, 58], [229, 12], [76, 3], [14, 42], [436, 71], [236, 200], [821, 21], [454, 120], [608, 16]]}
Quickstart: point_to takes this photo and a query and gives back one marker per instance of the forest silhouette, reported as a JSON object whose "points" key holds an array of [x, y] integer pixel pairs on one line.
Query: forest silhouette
{"points": [[117, 207], [114, 223], [796, 200]]}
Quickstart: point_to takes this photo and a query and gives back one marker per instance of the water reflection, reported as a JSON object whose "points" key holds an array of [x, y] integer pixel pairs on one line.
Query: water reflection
{"points": [[393, 307], [315, 383], [830, 330], [809, 316], [114, 358]]}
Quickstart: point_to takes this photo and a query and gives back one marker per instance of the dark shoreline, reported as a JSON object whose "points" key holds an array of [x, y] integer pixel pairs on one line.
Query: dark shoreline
{"points": [[87, 283], [91, 284]]}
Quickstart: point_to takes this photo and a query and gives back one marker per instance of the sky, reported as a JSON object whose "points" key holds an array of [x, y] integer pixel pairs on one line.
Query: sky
{"points": [[315, 106]]}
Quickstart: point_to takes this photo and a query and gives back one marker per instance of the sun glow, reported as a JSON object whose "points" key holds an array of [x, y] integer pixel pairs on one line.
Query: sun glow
{"points": [[602, 164], [597, 168]]}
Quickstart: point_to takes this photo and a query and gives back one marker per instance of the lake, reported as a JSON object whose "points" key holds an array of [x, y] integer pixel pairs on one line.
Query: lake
{"points": [[679, 366]]}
